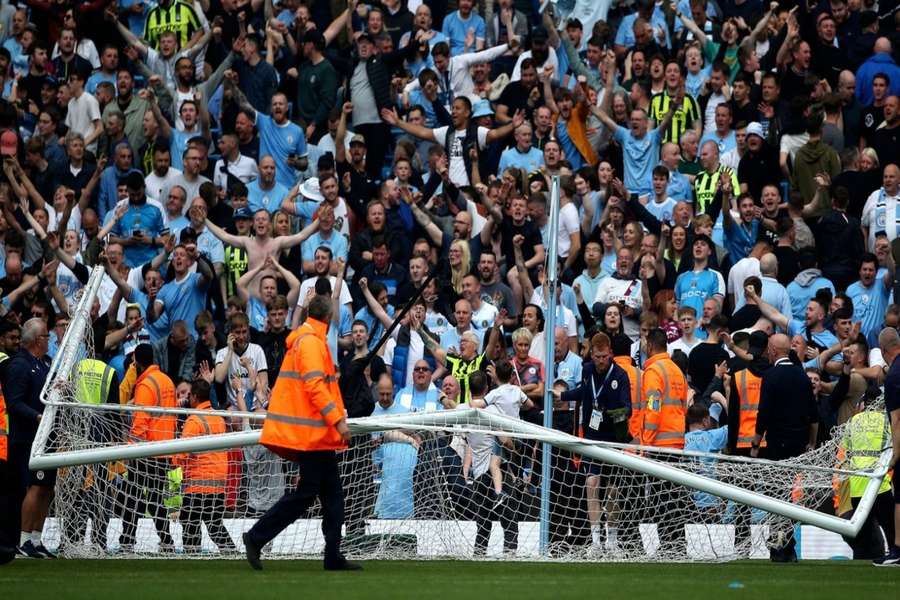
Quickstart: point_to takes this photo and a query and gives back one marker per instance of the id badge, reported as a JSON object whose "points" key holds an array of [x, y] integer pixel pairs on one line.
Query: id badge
{"points": [[596, 419]]}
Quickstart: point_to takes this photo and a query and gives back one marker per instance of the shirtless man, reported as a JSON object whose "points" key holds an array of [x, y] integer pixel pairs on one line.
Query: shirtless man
{"points": [[261, 244]]}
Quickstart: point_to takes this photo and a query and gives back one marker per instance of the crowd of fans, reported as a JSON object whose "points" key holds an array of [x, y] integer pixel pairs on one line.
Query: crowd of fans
{"points": [[727, 170]]}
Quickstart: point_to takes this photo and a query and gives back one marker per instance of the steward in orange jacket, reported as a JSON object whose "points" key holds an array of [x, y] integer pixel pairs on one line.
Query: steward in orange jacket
{"points": [[306, 403], [204, 478], [664, 395], [147, 476], [306, 422], [153, 388]]}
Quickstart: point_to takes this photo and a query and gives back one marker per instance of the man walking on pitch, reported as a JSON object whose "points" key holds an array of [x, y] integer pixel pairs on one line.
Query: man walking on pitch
{"points": [[306, 422], [889, 341]]}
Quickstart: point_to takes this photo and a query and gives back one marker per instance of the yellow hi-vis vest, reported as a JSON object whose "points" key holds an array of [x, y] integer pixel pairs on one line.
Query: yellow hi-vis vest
{"points": [[868, 434], [94, 381]]}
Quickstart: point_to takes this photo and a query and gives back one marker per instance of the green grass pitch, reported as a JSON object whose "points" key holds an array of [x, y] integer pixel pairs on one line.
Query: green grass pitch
{"points": [[457, 580]]}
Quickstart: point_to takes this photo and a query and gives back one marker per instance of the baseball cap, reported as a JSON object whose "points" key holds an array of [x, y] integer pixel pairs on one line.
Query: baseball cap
{"points": [[539, 34], [357, 139], [702, 237], [9, 143], [365, 36], [756, 129], [314, 36], [243, 213]]}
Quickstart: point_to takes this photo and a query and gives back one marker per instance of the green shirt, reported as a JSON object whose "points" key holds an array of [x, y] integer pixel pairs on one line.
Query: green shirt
{"points": [[316, 91]]}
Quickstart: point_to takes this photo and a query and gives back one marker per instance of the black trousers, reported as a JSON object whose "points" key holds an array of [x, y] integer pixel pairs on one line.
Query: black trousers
{"points": [[209, 509], [378, 138], [568, 505], [670, 500], [9, 507], [91, 502], [869, 543], [357, 474], [485, 514], [146, 476], [743, 512], [319, 478], [783, 450]]}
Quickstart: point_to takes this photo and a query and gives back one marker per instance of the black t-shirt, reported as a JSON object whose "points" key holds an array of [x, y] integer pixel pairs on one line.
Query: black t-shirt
{"points": [[514, 97], [871, 118], [745, 317], [886, 143], [788, 263], [702, 364], [508, 230], [892, 388]]}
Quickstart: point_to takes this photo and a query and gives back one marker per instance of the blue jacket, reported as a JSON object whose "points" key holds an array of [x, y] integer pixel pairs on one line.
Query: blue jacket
{"points": [[25, 379], [877, 63], [612, 391], [803, 289]]}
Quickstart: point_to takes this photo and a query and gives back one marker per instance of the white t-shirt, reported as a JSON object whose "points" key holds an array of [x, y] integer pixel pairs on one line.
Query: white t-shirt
{"points": [[416, 352], [108, 288], [568, 224], [457, 166], [310, 283], [744, 268], [257, 359], [552, 59], [484, 317], [244, 168], [158, 187], [661, 210], [683, 345], [508, 398], [82, 113], [881, 221]]}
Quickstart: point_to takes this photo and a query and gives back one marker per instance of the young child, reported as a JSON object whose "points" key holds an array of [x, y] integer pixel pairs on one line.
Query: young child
{"points": [[508, 399], [703, 436]]}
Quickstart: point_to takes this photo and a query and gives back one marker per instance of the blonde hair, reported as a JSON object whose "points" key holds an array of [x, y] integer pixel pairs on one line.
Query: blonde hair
{"points": [[457, 274], [871, 154], [522, 333]]}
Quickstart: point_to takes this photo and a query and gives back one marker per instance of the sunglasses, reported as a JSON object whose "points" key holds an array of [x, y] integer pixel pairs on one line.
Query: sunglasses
{"points": [[421, 370]]}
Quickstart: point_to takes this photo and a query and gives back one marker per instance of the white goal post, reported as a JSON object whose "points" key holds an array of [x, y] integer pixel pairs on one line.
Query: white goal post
{"points": [[64, 441]]}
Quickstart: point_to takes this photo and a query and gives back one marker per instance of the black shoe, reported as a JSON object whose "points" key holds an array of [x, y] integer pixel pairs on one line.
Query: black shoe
{"points": [[341, 564], [28, 550], [252, 551], [892, 559], [42, 550]]}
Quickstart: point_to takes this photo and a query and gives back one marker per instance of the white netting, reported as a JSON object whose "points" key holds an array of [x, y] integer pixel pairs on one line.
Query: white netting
{"points": [[417, 485]]}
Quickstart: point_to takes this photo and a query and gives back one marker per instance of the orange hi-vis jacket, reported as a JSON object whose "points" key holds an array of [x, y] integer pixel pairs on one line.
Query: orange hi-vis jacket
{"points": [[204, 473], [4, 429], [664, 394], [637, 400], [306, 403], [748, 386], [153, 388]]}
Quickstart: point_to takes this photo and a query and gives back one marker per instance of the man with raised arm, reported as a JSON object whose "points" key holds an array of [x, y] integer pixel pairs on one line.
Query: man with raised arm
{"points": [[466, 136], [262, 244], [640, 144]]}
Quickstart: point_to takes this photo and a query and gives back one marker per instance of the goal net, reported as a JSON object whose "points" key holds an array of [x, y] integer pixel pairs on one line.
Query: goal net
{"points": [[443, 484]]}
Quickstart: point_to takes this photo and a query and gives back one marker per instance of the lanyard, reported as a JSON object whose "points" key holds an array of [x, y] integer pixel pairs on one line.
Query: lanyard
{"points": [[602, 386]]}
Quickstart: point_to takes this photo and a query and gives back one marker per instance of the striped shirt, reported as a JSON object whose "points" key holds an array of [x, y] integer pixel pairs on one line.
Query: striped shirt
{"points": [[177, 16], [683, 119]]}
